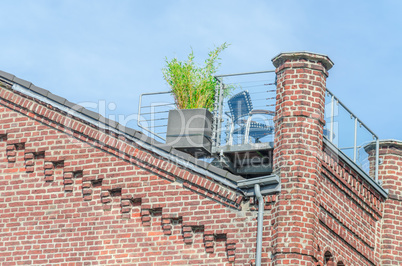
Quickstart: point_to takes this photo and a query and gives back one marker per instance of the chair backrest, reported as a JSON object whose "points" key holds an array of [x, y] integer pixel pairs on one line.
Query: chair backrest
{"points": [[240, 105]]}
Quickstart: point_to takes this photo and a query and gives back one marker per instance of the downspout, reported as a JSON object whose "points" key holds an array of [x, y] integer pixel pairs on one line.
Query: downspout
{"points": [[252, 187], [259, 224]]}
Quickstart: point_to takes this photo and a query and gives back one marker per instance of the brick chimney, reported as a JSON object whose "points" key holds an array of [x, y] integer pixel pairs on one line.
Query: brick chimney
{"points": [[299, 121], [390, 173]]}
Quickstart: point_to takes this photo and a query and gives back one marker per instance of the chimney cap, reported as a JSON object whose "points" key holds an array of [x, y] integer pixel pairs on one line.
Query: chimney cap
{"points": [[392, 143], [282, 57]]}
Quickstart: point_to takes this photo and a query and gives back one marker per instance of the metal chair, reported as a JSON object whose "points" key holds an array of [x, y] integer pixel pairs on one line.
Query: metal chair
{"points": [[241, 112]]}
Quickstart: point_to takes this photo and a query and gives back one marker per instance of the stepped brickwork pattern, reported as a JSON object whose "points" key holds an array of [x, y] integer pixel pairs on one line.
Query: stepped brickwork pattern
{"points": [[69, 199]]}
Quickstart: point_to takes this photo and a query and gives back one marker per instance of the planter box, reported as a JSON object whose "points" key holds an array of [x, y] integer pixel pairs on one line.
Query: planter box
{"points": [[190, 130]]}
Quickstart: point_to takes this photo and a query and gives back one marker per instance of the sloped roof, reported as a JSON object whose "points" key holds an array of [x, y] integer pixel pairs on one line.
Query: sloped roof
{"points": [[164, 150]]}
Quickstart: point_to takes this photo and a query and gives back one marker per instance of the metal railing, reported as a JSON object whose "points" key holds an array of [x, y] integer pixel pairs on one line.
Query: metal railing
{"points": [[343, 129], [350, 135], [153, 112], [153, 109]]}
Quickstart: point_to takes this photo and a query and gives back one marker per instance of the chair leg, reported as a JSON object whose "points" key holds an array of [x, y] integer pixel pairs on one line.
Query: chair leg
{"points": [[247, 133], [230, 142]]}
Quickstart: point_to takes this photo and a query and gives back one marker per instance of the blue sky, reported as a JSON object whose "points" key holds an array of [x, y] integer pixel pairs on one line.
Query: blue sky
{"points": [[115, 50]]}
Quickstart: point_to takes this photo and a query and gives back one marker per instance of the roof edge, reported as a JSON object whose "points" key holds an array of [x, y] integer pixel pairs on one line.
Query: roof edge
{"points": [[148, 143], [383, 192]]}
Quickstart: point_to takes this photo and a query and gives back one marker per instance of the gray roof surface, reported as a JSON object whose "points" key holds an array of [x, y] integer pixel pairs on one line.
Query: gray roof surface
{"points": [[198, 166]]}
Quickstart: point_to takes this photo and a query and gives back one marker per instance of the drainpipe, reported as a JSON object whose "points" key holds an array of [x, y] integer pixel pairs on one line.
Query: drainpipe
{"points": [[259, 224], [252, 187]]}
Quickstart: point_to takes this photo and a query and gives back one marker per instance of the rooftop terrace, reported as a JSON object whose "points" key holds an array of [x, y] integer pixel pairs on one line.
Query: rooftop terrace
{"points": [[243, 129]]}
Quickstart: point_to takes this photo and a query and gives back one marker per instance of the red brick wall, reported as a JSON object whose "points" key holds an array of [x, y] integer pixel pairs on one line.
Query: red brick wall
{"points": [[390, 172], [350, 214], [299, 124], [81, 196], [327, 214]]}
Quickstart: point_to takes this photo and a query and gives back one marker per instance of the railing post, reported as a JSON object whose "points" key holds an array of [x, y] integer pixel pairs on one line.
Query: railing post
{"points": [[215, 118], [377, 157], [219, 118], [355, 142], [331, 136]]}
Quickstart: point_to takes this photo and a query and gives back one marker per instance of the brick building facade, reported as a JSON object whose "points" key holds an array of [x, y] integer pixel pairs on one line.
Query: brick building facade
{"points": [[79, 189]]}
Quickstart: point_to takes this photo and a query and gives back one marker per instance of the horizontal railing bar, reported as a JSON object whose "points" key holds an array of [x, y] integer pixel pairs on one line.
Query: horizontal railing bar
{"points": [[158, 126], [157, 105], [244, 73], [152, 93], [150, 126], [348, 148], [257, 92], [155, 113], [255, 81], [155, 119], [249, 86], [254, 86]]}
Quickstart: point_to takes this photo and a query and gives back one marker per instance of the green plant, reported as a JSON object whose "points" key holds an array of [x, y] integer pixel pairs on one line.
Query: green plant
{"points": [[193, 86]]}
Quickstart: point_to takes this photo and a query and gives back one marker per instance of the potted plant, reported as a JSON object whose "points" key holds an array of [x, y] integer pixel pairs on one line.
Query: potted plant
{"points": [[193, 88]]}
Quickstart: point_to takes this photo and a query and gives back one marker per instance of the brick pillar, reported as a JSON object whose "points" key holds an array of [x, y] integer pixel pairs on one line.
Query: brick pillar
{"points": [[390, 172], [299, 121]]}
